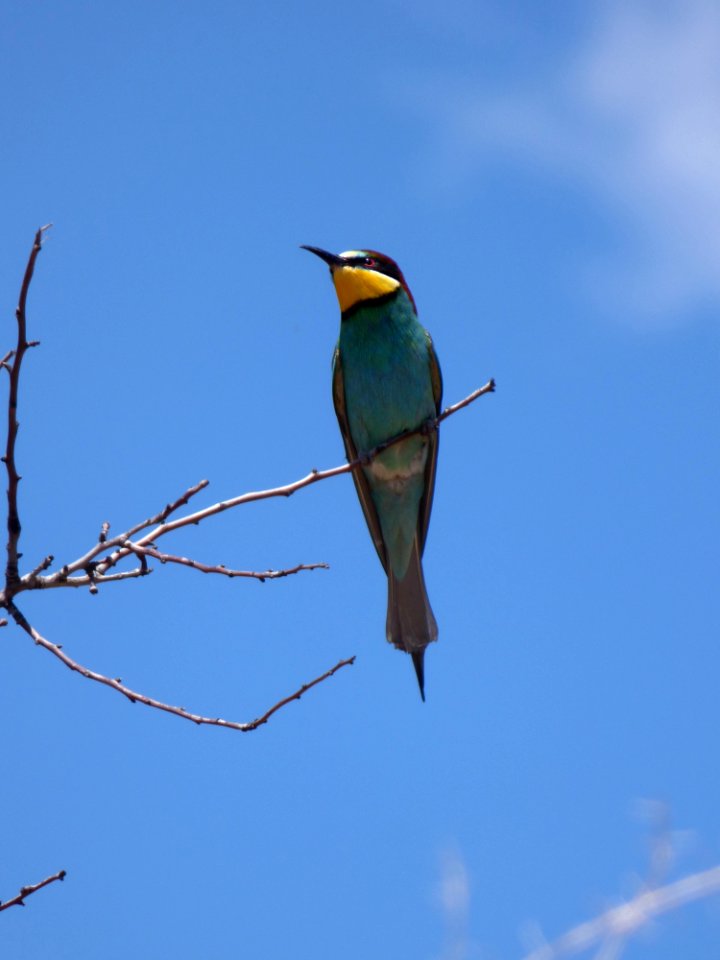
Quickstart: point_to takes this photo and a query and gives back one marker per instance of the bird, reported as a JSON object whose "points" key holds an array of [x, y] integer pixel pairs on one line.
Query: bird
{"points": [[386, 381]]}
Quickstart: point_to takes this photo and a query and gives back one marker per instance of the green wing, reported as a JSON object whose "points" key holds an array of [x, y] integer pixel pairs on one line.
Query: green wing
{"points": [[433, 442], [361, 484]]}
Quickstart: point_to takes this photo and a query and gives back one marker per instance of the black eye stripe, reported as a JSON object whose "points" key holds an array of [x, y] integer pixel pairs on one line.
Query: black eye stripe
{"points": [[381, 266]]}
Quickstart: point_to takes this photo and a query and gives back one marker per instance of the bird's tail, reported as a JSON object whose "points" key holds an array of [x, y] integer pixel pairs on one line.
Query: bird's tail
{"points": [[411, 625]]}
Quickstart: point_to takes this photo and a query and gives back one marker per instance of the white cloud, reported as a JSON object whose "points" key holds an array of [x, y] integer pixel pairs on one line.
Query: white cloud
{"points": [[452, 895], [634, 114]]}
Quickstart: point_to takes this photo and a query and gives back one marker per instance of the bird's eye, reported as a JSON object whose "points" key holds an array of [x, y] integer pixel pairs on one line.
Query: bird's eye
{"points": [[369, 262]]}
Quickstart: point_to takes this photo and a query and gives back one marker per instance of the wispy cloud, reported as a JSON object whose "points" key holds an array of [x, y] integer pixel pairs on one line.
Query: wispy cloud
{"points": [[633, 114], [452, 895]]}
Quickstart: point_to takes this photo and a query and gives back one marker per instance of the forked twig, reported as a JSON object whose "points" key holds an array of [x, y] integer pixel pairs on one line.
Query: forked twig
{"points": [[135, 697], [95, 565], [287, 490], [91, 569]]}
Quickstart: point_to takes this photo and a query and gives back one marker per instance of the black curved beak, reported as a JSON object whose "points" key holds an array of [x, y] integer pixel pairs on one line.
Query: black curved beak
{"points": [[331, 259]]}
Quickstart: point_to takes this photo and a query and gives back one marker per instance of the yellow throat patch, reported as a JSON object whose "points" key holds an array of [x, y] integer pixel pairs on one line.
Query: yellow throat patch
{"points": [[353, 284]]}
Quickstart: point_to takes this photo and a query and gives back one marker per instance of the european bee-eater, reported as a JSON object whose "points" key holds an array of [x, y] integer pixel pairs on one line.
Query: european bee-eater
{"points": [[386, 381]]}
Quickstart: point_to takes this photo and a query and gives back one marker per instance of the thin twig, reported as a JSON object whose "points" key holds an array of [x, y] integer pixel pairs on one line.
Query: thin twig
{"points": [[119, 547], [110, 544], [87, 563], [298, 693], [19, 900], [86, 580], [488, 387], [135, 697], [13, 519], [43, 565], [315, 476], [261, 575], [90, 571]]}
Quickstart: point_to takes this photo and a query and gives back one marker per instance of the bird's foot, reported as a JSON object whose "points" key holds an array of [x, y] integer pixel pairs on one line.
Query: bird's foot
{"points": [[428, 427]]}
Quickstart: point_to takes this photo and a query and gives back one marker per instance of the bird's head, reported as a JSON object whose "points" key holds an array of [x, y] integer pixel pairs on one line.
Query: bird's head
{"points": [[362, 275]]}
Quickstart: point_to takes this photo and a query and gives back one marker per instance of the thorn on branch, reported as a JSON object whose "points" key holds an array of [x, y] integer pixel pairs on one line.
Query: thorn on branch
{"points": [[5, 360]]}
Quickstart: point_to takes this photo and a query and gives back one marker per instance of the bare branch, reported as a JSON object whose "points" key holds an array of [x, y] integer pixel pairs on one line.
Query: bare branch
{"points": [[611, 929], [298, 693], [92, 576], [315, 476], [93, 568], [19, 900], [13, 520], [262, 576], [102, 546], [90, 579], [135, 697], [489, 387], [43, 565]]}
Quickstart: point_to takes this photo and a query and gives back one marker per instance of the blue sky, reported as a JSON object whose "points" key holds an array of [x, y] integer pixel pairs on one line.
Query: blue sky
{"points": [[548, 180]]}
